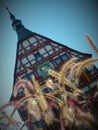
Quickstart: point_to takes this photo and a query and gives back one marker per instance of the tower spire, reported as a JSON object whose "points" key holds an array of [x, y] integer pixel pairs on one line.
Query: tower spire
{"points": [[12, 17], [17, 26]]}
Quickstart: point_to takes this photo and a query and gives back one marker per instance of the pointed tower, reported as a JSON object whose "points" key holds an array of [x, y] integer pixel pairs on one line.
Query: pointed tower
{"points": [[36, 54]]}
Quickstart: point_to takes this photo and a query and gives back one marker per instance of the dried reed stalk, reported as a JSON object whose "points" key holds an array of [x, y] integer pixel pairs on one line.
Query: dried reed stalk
{"points": [[41, 99], [91, 43], [24, 84], [66, 66], [73, 70], [48, 117]]}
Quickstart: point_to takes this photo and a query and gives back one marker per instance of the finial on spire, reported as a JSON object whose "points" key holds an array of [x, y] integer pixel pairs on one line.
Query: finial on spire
{"points": [[12, 17]]}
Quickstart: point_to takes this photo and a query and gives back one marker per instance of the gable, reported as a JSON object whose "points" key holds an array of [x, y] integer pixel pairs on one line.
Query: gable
{"points": [[35, 50]]}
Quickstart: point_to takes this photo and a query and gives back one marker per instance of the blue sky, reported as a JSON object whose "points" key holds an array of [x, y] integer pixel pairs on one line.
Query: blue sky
{"points": [[65, 21]]}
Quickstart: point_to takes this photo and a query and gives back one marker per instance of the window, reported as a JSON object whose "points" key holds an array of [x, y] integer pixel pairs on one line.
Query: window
{"points": [[18, 63], [38, 56], [64, 57], [48, 47], [42, 51], [38, 37], [21, 68], [27, 65], [32, 40], [25, 77], [25, 43], [24, 114], [51, 52], [31, 57], [93, 84], [31, 75], [20, 91], [58, 60], [24, 60], [39, 124], [85, 89], [45, 55], [46, 90]]}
